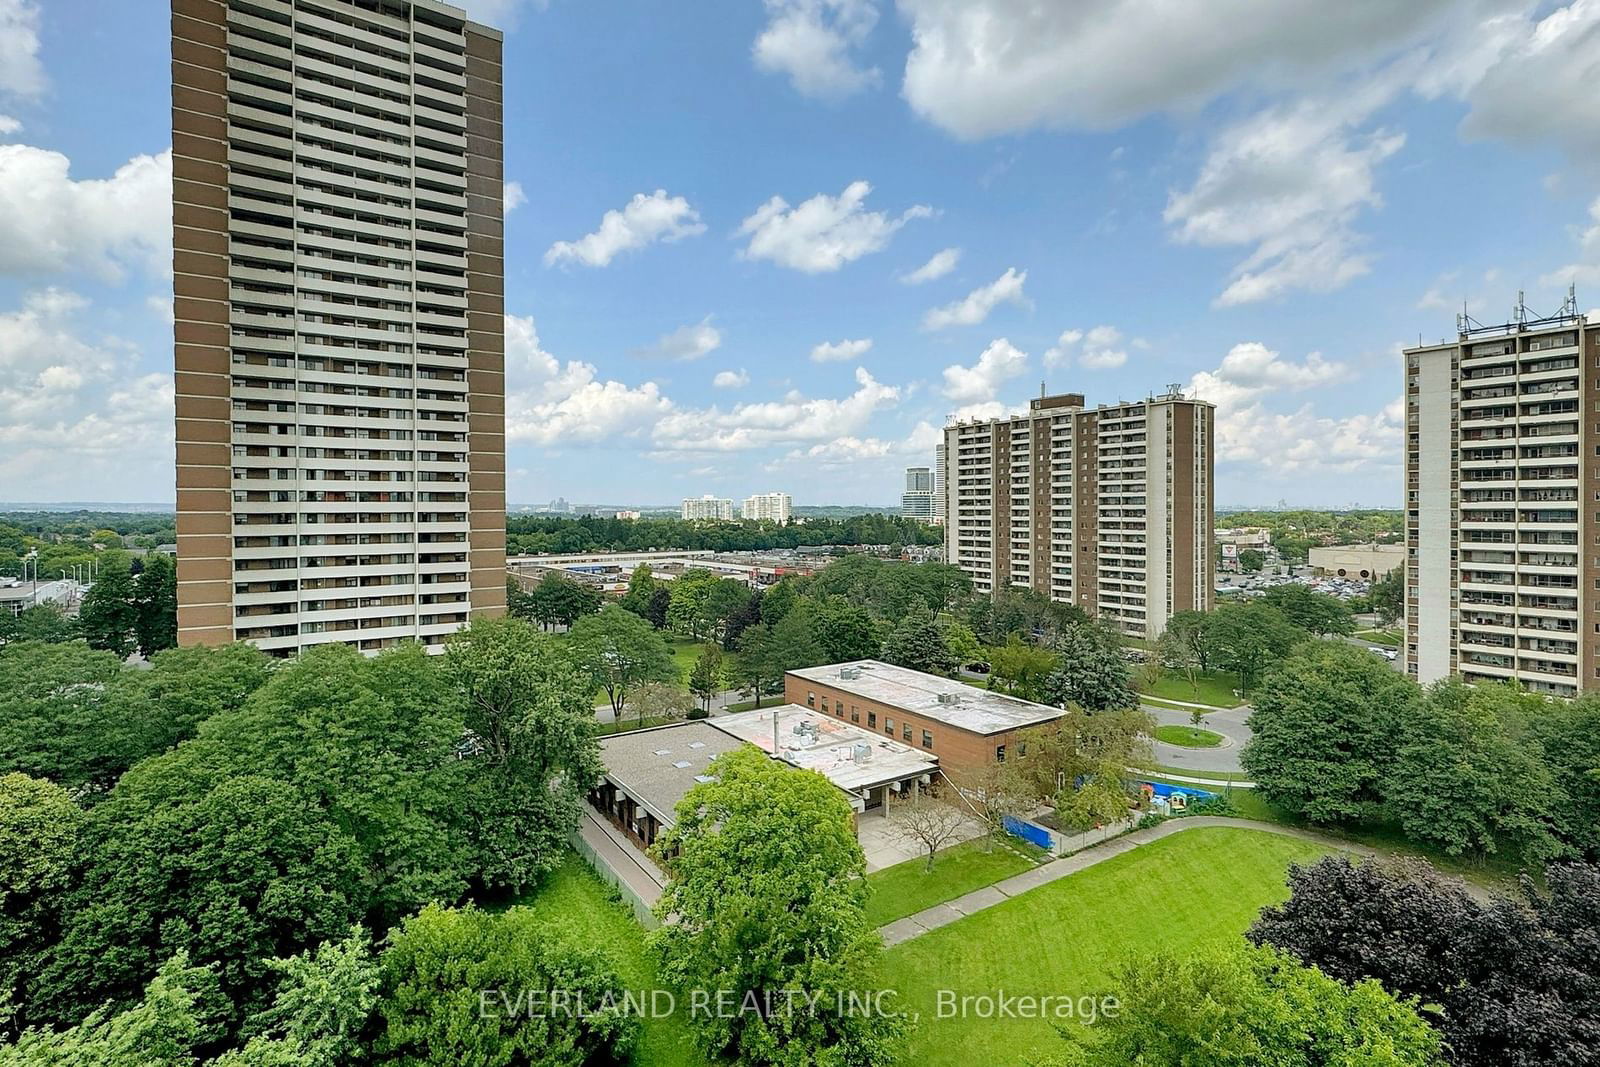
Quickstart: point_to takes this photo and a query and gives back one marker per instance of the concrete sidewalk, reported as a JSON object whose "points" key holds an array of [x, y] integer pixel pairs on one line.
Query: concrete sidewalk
{"points": [[978, 900]]}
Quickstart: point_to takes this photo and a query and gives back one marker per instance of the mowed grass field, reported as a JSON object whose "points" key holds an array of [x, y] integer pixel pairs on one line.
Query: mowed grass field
{"points": [[907, 888], [574, 894], [1198, 887], [1210, 687]]}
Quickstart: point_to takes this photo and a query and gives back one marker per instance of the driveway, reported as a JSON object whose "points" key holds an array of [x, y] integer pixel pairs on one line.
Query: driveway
{"points": [[1229, 722]]}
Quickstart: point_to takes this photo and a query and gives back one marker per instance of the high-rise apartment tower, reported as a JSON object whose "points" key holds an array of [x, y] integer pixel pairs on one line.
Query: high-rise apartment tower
{"points": [[1503, 505], [1108, 508], [916, 502], [774, 507], [338, 281]]}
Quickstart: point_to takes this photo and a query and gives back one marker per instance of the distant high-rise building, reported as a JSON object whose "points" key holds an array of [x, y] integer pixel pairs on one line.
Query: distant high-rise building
{"points": [[1106, 508], [1502, 571], [707, 507], [560, 506], [771, 506], [941, 503], [338, 283], [916, 502]]}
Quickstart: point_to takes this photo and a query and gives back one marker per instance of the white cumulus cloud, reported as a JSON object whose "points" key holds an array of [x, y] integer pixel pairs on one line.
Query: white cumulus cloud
{"points": [[840, 351], [981, 382], [979, 68], [813, 43], [731, 379], [1101, 349], [645, 220], [1291, 182], [938, 265], [976, 305], [52, 223], [21, 73], [793, 419], [823, 233], [513, 197], [694, 341], [552, 403], [78, 419]]}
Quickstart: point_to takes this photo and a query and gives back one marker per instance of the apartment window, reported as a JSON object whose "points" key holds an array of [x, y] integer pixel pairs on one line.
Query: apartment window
{"points": [[811, 700], [888, 726], [838, 707], [905, 728], [927, 739], [872, 716], [855, 715]]}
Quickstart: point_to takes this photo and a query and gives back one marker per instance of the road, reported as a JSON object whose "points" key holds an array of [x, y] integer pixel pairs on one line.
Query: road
{"points": [[1229, 722]]}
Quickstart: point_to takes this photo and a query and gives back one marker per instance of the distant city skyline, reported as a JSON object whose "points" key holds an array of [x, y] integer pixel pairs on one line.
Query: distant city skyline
{"points": [[795, 265]]}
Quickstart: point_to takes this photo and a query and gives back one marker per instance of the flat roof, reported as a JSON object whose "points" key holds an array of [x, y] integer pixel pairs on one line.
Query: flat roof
{"points": [[659, 765], [978, 711], [828, 746]]}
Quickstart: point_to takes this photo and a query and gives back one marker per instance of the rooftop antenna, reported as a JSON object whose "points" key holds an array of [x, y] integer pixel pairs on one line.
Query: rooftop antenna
{"points": [[1520, 314], [1041, 388]]}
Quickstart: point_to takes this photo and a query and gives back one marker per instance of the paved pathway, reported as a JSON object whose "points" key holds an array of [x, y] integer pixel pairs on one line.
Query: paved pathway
{"points": [[952, 910], [620, 855]]}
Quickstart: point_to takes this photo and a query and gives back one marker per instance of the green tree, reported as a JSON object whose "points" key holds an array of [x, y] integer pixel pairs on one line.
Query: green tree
{"points": [[249, 871], [318, 1017], [1092, 672], [661, 702], [779, 600], [161, 1030], [691, 595], [708, 677], [1243, 1007], [621, 652], [1568, 732], [1020, 668], [1081, 750], [846, 631], [1313, 612], [44, 622], [155, 601], [534, 754], [1186, 632], [961, 641], [641, 587], [1388, 595], [1251, 560], [457, 985], [40, 830], [1468, 776], [108, 616], [52, 701], [768, 900], [917, 642], [769, 650], [1249, 637], [1324, 730], [561, 601]]}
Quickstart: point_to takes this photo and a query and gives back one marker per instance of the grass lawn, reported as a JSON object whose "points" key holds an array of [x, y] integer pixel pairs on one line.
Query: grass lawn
{"points": [[1388, 638], [684, 654], [629, 724], [1188, 736], [907, 888], [1219, 777], [574, 894], [1200, 887], [1210, 687]]}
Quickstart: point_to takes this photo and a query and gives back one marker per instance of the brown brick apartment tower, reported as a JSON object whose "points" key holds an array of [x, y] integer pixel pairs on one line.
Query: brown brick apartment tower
{"points": [[1108, 508], [340, 354]]}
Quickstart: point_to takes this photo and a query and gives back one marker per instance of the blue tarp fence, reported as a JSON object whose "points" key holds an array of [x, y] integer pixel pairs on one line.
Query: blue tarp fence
{"points": [[1036, 835]]}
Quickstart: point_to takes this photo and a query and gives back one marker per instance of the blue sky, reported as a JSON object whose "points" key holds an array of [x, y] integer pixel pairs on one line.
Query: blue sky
{"points": [[1260, 200]]}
